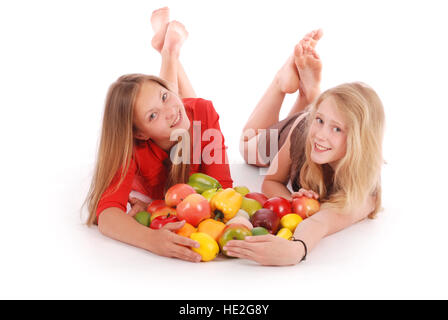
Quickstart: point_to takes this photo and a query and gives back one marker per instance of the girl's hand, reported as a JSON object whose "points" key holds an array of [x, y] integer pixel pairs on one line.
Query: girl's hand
{"points": [[167, 243], [266, 250], [137, 205], [307, 193]]}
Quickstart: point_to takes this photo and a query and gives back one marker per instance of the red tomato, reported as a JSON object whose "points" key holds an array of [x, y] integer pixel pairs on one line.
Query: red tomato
{"points": [[194, 209], [177, 193], [279, 205]]}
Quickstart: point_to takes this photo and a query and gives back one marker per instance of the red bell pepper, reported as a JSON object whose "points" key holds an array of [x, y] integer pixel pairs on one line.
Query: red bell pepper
{"points": [[160, 221]]}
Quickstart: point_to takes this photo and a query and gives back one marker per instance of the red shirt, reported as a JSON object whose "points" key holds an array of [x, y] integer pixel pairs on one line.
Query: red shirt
{"points": [[147, 172]]}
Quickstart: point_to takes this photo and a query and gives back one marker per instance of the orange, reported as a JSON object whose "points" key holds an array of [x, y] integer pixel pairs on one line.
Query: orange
{"points": [[212, 227], [186, 230]]}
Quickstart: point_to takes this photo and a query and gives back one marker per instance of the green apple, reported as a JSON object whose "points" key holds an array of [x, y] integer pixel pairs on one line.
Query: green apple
{"points": [[242, 190], [143, 218], [250, 206], [233, 232], [259, 231]]}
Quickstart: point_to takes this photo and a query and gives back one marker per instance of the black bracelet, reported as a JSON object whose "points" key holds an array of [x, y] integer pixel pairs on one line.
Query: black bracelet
{"points": [[304, 245]]}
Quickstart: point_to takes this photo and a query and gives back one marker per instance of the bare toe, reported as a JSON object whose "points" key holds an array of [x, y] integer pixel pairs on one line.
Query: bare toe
{"points": [[317, 34], [299, 58], [313, 37]]}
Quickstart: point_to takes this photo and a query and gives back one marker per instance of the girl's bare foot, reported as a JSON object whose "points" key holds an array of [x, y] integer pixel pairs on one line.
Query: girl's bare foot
{"points": [[288, 77], [309, 67], [159, 23], [174, 38]]}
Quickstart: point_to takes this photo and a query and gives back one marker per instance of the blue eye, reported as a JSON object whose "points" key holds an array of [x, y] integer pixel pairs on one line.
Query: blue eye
{"points": [[336, 129], [319, 120], [164, 96], [152, 116]]}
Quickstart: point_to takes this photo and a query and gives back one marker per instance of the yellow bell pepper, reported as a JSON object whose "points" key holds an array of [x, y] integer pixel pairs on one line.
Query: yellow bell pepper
{"points": [[225, 204], [212, 200]]}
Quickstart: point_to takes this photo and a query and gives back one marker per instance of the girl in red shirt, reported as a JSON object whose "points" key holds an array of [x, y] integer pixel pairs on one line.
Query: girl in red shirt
{"points": [[141, 115]]}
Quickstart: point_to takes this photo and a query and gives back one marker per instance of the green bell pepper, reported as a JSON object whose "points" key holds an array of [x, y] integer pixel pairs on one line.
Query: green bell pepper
{"points": [[210, 193], [202, 182]]}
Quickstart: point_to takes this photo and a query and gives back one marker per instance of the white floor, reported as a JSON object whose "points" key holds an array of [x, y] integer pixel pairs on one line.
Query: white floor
{"points": [[51, 254]]}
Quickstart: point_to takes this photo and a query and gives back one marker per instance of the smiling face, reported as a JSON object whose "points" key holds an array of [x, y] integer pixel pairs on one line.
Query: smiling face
{"points": [[328, 134], [158, 112]]}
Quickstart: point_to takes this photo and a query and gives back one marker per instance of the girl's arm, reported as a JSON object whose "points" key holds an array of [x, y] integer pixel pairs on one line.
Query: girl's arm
{"points": [[273, 250], [276, 180], [329, 221], [278, 175], [116, 224]]}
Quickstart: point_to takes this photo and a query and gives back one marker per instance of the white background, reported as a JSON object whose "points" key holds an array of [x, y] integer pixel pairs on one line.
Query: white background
{"points": [[58, 59]]}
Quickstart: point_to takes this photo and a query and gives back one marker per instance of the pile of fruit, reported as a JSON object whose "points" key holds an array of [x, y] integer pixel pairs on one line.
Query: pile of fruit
{"points": [[214, 215]]}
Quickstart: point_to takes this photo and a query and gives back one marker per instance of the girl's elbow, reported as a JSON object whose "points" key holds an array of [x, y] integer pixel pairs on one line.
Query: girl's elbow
{"points": [[366, 209], [101, 224], [103, 221], [265, 186], [272, 188]]}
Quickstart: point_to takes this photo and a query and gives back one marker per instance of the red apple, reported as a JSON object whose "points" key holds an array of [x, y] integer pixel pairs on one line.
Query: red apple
{"points": [[266, 218], [257, 196], [305, 207], [279, 205], [193, 209], [155, 205], [177, 193]]}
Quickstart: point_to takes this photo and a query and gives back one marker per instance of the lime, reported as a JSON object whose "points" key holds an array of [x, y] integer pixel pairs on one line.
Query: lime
{"points": [[143, 218], [259, 231]]}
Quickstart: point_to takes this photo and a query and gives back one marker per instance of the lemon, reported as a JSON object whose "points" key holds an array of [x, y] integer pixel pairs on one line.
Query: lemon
{"points": [[285, 233], [290, 221], [208, 247]]}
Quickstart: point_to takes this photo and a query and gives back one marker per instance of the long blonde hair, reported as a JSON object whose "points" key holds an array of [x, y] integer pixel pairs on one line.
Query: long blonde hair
{"points": [[358, 174], [117, 139]]}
